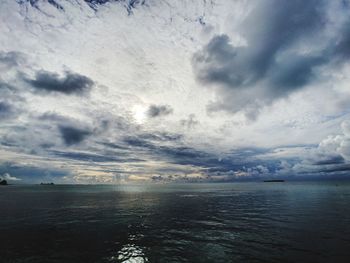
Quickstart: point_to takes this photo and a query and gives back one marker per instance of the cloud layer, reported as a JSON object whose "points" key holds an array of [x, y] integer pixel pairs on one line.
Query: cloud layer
{"points": [[286, 43], [178, 91]]}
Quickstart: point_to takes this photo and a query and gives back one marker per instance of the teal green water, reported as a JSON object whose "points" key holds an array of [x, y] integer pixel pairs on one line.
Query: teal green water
{"points": [[235, 222]]}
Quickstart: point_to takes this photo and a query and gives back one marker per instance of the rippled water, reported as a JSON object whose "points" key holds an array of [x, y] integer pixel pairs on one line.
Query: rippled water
{"points": [[242, 222]]}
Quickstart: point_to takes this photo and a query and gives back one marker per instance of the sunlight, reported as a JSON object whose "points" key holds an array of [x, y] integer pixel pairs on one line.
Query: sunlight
{"points": [[139, 113]]}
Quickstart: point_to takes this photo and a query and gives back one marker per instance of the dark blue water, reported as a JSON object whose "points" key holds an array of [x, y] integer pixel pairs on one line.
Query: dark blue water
{"points": [[243, 222]]}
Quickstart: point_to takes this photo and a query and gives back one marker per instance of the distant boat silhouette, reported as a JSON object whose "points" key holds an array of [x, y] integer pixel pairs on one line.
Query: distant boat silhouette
{"points": [[274, 181], [47, 184]]}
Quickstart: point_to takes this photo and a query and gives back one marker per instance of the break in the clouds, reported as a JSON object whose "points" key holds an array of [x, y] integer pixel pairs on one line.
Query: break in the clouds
{"points": [[120, 91]]}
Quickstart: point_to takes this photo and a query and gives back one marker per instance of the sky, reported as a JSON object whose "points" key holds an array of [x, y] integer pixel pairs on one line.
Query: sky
{"points": [[121, 91]]}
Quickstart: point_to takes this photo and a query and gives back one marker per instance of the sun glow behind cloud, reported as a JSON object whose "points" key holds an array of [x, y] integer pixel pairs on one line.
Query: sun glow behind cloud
{"points": [[139, 113]]}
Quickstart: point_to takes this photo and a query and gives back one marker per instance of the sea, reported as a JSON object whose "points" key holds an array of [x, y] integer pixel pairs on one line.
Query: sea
{"points": [[193, 222]]}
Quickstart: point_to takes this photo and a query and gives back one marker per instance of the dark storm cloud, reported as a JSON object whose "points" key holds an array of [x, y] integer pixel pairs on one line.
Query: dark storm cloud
{"points": [[5, 88], [269, 66], [93, 157], [293, 74], [336, 169], [272, 27], [11, 103], [161, 136], [335, 159], [113, 145], [72, 135], [342, 46], [143, 142], [184, 155], [151, 141], [154, 147], [10, 59], [159, 111], [69, 83], [54, 117], [137, 142], [5, 110]]}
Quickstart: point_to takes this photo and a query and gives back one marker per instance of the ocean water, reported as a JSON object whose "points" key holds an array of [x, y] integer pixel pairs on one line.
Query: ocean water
{"points": [[234, 222]]}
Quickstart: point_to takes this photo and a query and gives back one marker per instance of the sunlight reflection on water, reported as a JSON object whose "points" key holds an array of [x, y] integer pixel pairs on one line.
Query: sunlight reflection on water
{"points": [[130, 253]]}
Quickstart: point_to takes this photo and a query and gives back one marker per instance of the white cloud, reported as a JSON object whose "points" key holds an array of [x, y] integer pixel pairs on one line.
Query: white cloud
{"points": [[8, 177]]}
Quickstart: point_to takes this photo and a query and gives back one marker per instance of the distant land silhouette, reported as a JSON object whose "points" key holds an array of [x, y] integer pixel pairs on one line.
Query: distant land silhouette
{"points": [[274, 181], [3, 182], [47, 184]]}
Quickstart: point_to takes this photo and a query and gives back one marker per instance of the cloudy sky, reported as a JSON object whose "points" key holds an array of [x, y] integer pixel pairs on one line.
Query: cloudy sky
{"points": [[98, 91]]}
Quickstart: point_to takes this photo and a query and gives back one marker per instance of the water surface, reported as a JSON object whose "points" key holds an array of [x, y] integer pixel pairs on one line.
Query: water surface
{"points": [[236, 222]]}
